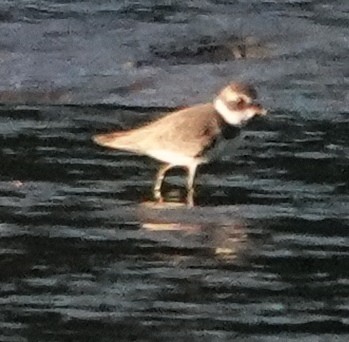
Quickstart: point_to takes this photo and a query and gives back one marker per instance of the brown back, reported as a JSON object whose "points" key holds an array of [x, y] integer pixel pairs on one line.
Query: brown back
{"points": [[189, 130]]}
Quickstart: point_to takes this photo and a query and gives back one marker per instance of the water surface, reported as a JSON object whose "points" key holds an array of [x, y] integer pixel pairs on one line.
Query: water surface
{"points": [[85, 253]]}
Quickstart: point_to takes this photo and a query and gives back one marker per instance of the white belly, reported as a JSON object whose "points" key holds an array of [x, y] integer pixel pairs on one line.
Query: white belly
{"points": [[173, 158]]}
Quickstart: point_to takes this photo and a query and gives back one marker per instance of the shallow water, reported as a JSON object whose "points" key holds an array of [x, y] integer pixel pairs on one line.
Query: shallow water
{"points": [[85, 253]]}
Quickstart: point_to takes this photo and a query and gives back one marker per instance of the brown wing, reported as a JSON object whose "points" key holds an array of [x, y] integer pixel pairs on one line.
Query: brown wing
{"points": [[191, 129]]}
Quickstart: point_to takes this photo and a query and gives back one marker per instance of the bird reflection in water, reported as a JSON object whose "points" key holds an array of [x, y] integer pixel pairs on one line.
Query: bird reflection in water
{"points": [[211, 231]]}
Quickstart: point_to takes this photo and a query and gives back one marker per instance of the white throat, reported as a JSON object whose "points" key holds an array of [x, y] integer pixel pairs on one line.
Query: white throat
{"points": [[232, 117]]}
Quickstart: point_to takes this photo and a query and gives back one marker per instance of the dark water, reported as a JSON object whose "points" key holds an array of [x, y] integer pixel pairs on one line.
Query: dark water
{"points": [[263, 255], [85, 253]]}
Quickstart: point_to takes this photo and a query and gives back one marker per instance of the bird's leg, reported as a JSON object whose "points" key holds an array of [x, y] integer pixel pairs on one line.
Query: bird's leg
{"points": [[191, 176], [159, 180], [190, 184], [190, 197]]}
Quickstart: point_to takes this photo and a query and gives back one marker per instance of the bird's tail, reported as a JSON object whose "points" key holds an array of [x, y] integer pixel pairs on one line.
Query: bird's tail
{"points": [[117, 140]]}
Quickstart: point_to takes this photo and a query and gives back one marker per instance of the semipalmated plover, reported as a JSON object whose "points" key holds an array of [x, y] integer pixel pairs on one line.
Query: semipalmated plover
{"points": [[189, 137]]}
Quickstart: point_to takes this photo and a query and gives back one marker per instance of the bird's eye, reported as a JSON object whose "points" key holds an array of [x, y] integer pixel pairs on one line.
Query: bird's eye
{"points": [[241, 104]]}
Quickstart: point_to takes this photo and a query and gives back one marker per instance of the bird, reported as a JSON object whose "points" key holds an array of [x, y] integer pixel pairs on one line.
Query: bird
{"points": [[191, 136]]}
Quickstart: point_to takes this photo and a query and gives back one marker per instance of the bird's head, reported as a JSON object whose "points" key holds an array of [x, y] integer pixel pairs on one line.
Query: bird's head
{"points": [[236, 103]]}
